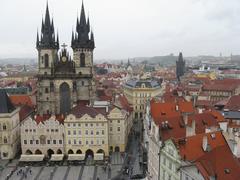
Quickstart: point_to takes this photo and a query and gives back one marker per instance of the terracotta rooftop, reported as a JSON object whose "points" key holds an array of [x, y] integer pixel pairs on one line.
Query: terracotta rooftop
{"points": [[43, 118], [19, 100], [220, 163], [191, 149], [233, 103], [170, 109], [80, 110], [25, 111]]}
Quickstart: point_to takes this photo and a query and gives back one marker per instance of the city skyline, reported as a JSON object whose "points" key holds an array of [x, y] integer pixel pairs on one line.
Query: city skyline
{"points": [[121, 30]]}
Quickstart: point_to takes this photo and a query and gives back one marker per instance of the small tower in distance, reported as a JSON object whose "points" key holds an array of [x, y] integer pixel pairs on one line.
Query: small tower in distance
{"points": [[180, 66]]}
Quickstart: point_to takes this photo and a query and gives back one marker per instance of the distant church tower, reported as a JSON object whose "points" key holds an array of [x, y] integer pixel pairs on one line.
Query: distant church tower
{"points": [[180, 66], [63, 82]]}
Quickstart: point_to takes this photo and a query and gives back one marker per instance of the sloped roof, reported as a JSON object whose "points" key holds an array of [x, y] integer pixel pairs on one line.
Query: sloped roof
{"points": [[221, 163], [192, 149], [6, 105], [80, 110], [21, 100], [233, 103]]}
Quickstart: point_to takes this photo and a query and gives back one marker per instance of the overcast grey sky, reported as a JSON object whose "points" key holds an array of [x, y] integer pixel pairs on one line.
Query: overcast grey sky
{"points": [[127, 28]]}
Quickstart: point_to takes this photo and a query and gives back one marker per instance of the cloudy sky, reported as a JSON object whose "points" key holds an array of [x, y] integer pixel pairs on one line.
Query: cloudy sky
{"points": [[127, 28]]}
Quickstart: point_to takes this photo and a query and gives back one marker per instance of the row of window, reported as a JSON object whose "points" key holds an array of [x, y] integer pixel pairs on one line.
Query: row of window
{"points": [[34, 130], [87, 142], [86, 124], [74, 132], [118, 128], [48, 141]]}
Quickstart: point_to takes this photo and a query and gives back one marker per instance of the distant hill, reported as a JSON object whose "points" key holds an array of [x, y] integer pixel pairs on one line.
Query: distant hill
{"points": [[19, 61]]}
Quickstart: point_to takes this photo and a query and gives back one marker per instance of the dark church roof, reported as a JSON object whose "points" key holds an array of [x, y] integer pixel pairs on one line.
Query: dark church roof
{"points": [[134, 83], [81, 38], [48, 38], [6, 105]]}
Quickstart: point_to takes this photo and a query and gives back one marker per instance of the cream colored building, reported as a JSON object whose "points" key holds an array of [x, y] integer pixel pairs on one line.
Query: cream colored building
{"points": [[42, 135], [118, 129], [138, 92], [9, 128], [86, 131]]}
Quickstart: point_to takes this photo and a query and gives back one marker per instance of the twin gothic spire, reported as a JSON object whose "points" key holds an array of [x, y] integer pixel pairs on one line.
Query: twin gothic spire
{"points": [[48, 39], [83, 38]]}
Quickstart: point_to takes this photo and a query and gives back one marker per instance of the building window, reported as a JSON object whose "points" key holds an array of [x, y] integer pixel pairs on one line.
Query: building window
{"points": [[31, 141], [74, 125], [56, 130], [86, 132], [60, 141], [48, 141], [170, 165], [52, 130], [46, 59], [37, 141], [79, 132], [97, 133], [25, 141], [91, 132], [69, 141], [47, 130], [80, 142], [164, 161], [82, 83], [75, 142], [74, 132], [102, 132], [82, 60], [92, 142], [68, 124], [119, 129], [34, 130], [91, 125], [96, 124], [79, 125], [103, 142], [118, 121], [102, 124], [86, 142], [111, 128], [46, 90], [86, 124], [169, 177], [26, 130], [54, 141], [69, 132]]}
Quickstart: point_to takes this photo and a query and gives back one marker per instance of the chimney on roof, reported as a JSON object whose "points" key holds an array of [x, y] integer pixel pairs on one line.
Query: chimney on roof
{"points": [[205, 143], [185, 118], [177, 107]]}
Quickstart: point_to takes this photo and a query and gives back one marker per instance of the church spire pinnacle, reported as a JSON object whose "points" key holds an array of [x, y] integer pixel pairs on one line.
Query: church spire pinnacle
{"points": [[37, 41], [48, 38]]}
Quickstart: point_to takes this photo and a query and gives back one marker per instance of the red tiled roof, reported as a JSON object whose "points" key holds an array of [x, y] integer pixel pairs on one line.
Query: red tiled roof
{"points": [[80, 110], [233, 103], [221, 163], [175, 128], [124, 103], [25, 111], [192, 149], [19, 100], [203, 121], [219, 87], [169, 109], [217, 115], [43, 118]]}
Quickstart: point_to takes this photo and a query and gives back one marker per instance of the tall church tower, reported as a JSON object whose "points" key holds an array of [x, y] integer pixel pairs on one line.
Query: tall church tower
{"points": [[180, 66], [63, 82]]}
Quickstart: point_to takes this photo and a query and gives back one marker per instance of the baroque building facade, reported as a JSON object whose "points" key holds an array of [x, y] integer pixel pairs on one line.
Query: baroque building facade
{"points": [[63, 81]]}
